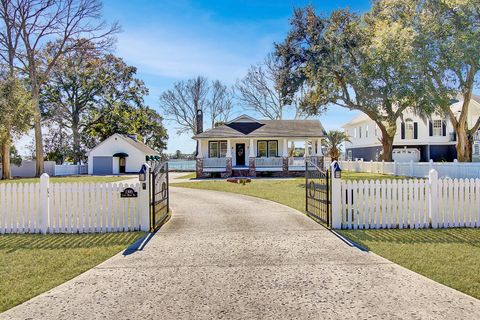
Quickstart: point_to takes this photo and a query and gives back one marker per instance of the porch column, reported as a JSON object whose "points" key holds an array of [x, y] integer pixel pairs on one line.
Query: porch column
{"points": [[251, 160], [228, 160], [319, 147], [306, 149], [285, 158], [251, 150]]}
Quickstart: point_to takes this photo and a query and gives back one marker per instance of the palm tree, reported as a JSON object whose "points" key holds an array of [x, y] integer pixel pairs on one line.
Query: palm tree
{"points": [[334, 139]]}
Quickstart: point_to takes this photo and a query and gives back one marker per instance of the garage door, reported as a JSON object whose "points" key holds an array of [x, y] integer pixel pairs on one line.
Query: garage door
{"points": [[102, 165]]}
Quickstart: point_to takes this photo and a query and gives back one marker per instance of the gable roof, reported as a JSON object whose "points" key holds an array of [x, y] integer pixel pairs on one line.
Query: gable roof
{"points": [[135, 143], [240, 128]]}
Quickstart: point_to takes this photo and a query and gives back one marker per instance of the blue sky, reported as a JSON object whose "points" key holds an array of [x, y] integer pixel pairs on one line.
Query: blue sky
{"points": [[175, 40]]}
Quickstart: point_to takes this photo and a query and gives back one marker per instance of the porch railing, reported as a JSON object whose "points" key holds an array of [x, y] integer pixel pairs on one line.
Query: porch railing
{"points": [[269, 162], [296, 161], [215, 162]]}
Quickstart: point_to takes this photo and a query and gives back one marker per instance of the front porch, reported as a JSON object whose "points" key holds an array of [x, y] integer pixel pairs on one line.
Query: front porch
{"points": [[252, 157]]}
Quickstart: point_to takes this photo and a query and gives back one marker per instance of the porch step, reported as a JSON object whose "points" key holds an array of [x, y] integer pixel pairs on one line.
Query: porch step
{"points": [[240, 172]]}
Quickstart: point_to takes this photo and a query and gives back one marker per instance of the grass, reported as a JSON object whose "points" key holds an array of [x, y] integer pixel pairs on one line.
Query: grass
{"points": [[448, 256], [32, 264], [71, 179], [190, 175]]}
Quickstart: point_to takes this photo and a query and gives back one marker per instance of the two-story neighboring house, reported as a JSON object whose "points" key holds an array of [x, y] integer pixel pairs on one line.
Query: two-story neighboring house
{"points": [[416, 139]]}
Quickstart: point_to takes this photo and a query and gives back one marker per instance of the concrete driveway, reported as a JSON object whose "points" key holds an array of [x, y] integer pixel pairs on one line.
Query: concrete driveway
{"points": [[226, 256]]}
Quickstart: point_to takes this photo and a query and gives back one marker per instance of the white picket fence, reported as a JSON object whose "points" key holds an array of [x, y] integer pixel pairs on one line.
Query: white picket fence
{"points": [[409, 203], [71, 208], [459, 170]]}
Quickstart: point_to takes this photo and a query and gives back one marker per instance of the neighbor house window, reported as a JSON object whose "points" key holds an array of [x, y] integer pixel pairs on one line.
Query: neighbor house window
{"points": [[476, 149], [217, 149], [437, 128], [359, 132], [366, 131], [267, 148], [349, 154], [409, 130]]}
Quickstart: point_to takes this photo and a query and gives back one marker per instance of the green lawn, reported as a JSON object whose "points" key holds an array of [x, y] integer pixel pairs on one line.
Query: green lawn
{"points": [[449, 256], [72, 179], [190, 175], [32, 264]]}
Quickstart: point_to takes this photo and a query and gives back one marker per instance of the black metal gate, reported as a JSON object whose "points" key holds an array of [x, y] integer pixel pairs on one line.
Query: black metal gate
{"points": [[317, 187], [159, 194]]}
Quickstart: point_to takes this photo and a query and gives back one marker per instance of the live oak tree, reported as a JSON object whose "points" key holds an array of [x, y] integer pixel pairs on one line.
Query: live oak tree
{"points": [[357, 62], [36, 23], [449, 50], [90, 96], [15, 117], [72, 90]]}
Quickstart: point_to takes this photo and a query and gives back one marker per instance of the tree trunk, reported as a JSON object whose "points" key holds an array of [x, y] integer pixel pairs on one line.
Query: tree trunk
{"points": [[388, 134], [39, 161], [76, 139], [6, 175], [464, 145]]}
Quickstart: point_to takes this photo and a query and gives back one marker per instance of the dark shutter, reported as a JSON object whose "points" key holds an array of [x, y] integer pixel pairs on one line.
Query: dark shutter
{"points": [[415, 130], [402, 131], [430, 128], [444, 128]]}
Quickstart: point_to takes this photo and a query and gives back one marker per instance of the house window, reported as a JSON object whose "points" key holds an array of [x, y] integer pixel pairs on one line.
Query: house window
{"points": [[366, 131], [359, 132], [217, 149], [355, 132], [437, 128], [409, 130], [476, 149], [349, 154], [376, 129], [267, 148]]}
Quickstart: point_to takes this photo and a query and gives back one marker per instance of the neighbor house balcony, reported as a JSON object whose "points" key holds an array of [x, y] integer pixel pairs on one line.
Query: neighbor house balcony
{"points": [[215, 164], [269, 164]]}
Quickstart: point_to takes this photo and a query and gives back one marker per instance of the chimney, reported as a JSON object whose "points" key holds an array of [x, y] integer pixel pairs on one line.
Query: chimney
{"points": [[199, 120]]}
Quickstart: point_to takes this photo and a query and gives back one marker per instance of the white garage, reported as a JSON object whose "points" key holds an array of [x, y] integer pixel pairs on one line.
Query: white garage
{"points": [[118, 154]]}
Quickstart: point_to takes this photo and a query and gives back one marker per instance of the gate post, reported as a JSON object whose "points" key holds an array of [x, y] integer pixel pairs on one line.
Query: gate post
{"points": [[336, 204], [433, 197], [144, 200]]}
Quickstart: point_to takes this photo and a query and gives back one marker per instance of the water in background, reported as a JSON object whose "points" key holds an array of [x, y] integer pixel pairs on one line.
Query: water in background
{"points": [[181, 165]]}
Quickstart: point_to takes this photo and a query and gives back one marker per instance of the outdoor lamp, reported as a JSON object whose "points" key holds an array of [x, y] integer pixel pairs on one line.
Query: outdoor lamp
{"points": [[142, 175], [336, 170]]}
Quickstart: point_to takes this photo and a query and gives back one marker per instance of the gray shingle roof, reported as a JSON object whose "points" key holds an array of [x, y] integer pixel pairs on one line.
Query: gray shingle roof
{"points": [[270, 128], [140, 146]]}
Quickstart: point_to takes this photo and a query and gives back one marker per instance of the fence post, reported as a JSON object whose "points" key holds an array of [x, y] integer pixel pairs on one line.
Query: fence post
{"points": [[144, 200], [336, 204], [433, 197], [44, 203]]}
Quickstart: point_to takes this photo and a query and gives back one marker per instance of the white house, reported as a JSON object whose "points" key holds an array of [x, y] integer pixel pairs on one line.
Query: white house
{"points": [[246, 146], [416, 139], [118, 154]]}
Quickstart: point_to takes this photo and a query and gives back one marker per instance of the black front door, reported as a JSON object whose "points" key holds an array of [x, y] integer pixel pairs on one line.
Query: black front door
{"points": [[122, 163], [240, 154]]}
